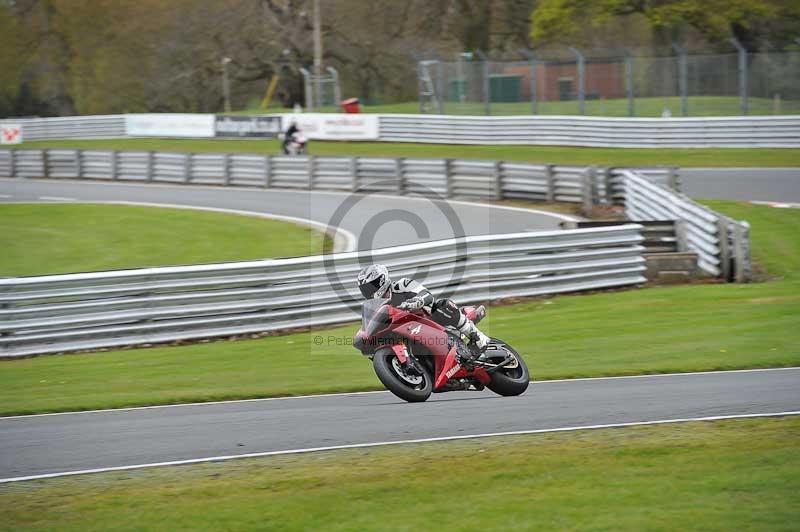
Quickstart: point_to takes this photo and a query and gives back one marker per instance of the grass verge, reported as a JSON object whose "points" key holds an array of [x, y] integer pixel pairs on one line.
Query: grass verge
{"points": [[690, 157], [49, 239], [666, 329], [729, 475]]}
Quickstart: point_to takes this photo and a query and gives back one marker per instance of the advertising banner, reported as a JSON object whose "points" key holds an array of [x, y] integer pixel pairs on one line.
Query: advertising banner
{"points": [[169, 125], [11, 134], [335, 126], [248, 126]]}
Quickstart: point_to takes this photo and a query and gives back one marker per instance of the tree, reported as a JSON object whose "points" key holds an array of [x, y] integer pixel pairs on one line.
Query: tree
{"points": [[753, 22]]}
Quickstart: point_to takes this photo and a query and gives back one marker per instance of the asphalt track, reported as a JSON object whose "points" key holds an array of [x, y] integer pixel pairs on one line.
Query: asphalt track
{"points": [[61, 443], [762, 184], [375, 220]]}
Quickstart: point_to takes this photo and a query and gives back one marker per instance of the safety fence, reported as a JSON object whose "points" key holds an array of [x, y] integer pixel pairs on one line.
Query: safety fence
{"points": [[492, 180], [750, 131], [722, 244], [93, 310]]}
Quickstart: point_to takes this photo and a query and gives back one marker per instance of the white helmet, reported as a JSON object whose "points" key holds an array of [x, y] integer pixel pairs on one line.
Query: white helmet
{"points": [[373, 281]]}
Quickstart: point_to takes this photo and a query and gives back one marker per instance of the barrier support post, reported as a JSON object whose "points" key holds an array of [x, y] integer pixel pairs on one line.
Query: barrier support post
{"points": [[588, 189], [78, 163], [550, 177], [267, 171], [608, 184], [681, 236], [354, 174], [399, 174], [448, 177], [12, 162], [187, 168], [149, 166], [724, 248], [312, 169], [114, 164], [672, 179], [46, 163], [743, 268], [498, 180]]}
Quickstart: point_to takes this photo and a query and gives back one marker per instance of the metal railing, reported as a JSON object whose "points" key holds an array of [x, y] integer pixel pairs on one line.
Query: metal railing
{"points": [[491, 180], [92, 310], [722, 244], [752, 131]]}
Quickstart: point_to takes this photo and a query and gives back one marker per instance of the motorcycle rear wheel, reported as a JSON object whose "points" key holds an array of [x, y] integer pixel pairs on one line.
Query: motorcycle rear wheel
{"points": [[389, 371], [510, 381]]}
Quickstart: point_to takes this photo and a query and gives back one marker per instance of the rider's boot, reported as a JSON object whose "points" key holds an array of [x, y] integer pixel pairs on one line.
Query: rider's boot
{"points": [[477, 340]]}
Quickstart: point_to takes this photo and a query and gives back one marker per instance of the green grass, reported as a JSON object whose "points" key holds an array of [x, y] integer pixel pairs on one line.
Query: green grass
{"points": [[48, 239], [689, 157], [668, 329], [643, 107], [732, 475]]}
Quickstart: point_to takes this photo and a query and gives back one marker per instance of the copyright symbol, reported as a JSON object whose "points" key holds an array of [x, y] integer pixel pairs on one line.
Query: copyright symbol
{"points": [[318, 340]]}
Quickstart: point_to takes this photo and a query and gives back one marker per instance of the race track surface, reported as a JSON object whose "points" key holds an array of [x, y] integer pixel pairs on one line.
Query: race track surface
{"points": [[760, 184], [376, 220], [36, 445]]}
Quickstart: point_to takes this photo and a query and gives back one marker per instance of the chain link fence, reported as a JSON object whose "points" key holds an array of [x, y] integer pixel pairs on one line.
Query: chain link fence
{"points": [[727, 84]]}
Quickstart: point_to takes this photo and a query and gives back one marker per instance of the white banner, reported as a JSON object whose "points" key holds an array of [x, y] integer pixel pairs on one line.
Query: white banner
{"points": [[169, 125], [11, 134], [334, 126]]}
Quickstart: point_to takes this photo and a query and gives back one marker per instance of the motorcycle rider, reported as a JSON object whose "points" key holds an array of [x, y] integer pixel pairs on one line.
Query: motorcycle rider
{"points": [[407, 294], [287, 138]]}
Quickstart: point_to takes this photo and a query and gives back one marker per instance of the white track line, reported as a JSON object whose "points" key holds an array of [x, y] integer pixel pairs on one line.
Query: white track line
{"points": [[398, 442], [345, 394], [55, 198]]}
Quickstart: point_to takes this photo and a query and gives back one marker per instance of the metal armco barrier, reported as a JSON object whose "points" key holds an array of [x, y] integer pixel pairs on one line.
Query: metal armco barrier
{"points": [[740, 131], [722, 244], [765, 131], [92, 310], [490, 180]]}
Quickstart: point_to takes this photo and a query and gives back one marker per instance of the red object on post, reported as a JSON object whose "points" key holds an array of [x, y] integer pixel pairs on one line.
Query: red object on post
{"points": [[351, 105]]}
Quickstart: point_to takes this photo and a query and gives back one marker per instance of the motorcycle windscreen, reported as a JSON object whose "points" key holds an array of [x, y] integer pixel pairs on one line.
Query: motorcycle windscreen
{"points": [[375, 316]]}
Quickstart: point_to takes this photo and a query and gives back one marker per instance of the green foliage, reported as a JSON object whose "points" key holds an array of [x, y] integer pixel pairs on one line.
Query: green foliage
{"points": [[716, 20]]}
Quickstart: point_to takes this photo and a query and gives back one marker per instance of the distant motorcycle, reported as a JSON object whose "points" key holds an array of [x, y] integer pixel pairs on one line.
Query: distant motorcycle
{"points": [[413, 356], [297, 144]]}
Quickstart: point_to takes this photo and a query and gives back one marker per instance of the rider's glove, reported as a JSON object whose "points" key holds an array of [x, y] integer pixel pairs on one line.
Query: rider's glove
{"points": [[415, 303]]}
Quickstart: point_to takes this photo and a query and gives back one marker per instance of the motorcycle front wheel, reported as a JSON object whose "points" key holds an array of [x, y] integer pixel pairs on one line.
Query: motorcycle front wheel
{"points": [[512, 379], [406, 386]]}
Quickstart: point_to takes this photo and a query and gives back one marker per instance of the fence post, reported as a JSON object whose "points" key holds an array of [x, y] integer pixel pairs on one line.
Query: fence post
{"points": [[486, 87], [629, 83], [724, 248], [532, 65], [683, 81], [581, 80], [46, 163], [354, 174], [742, 73], [267, 171], [149, 166], [400, 175], [448, 177], [550, 177], [12, 162], [741, 244], [114, 163], [588, 189], [498, 180]]}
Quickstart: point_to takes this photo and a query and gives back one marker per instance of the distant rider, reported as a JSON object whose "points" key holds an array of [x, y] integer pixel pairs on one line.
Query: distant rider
{"points": [[408, 294], [287, 138]]}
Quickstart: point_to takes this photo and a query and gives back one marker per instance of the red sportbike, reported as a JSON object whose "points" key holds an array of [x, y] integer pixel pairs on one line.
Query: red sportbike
{"points": [[414, 356]]}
